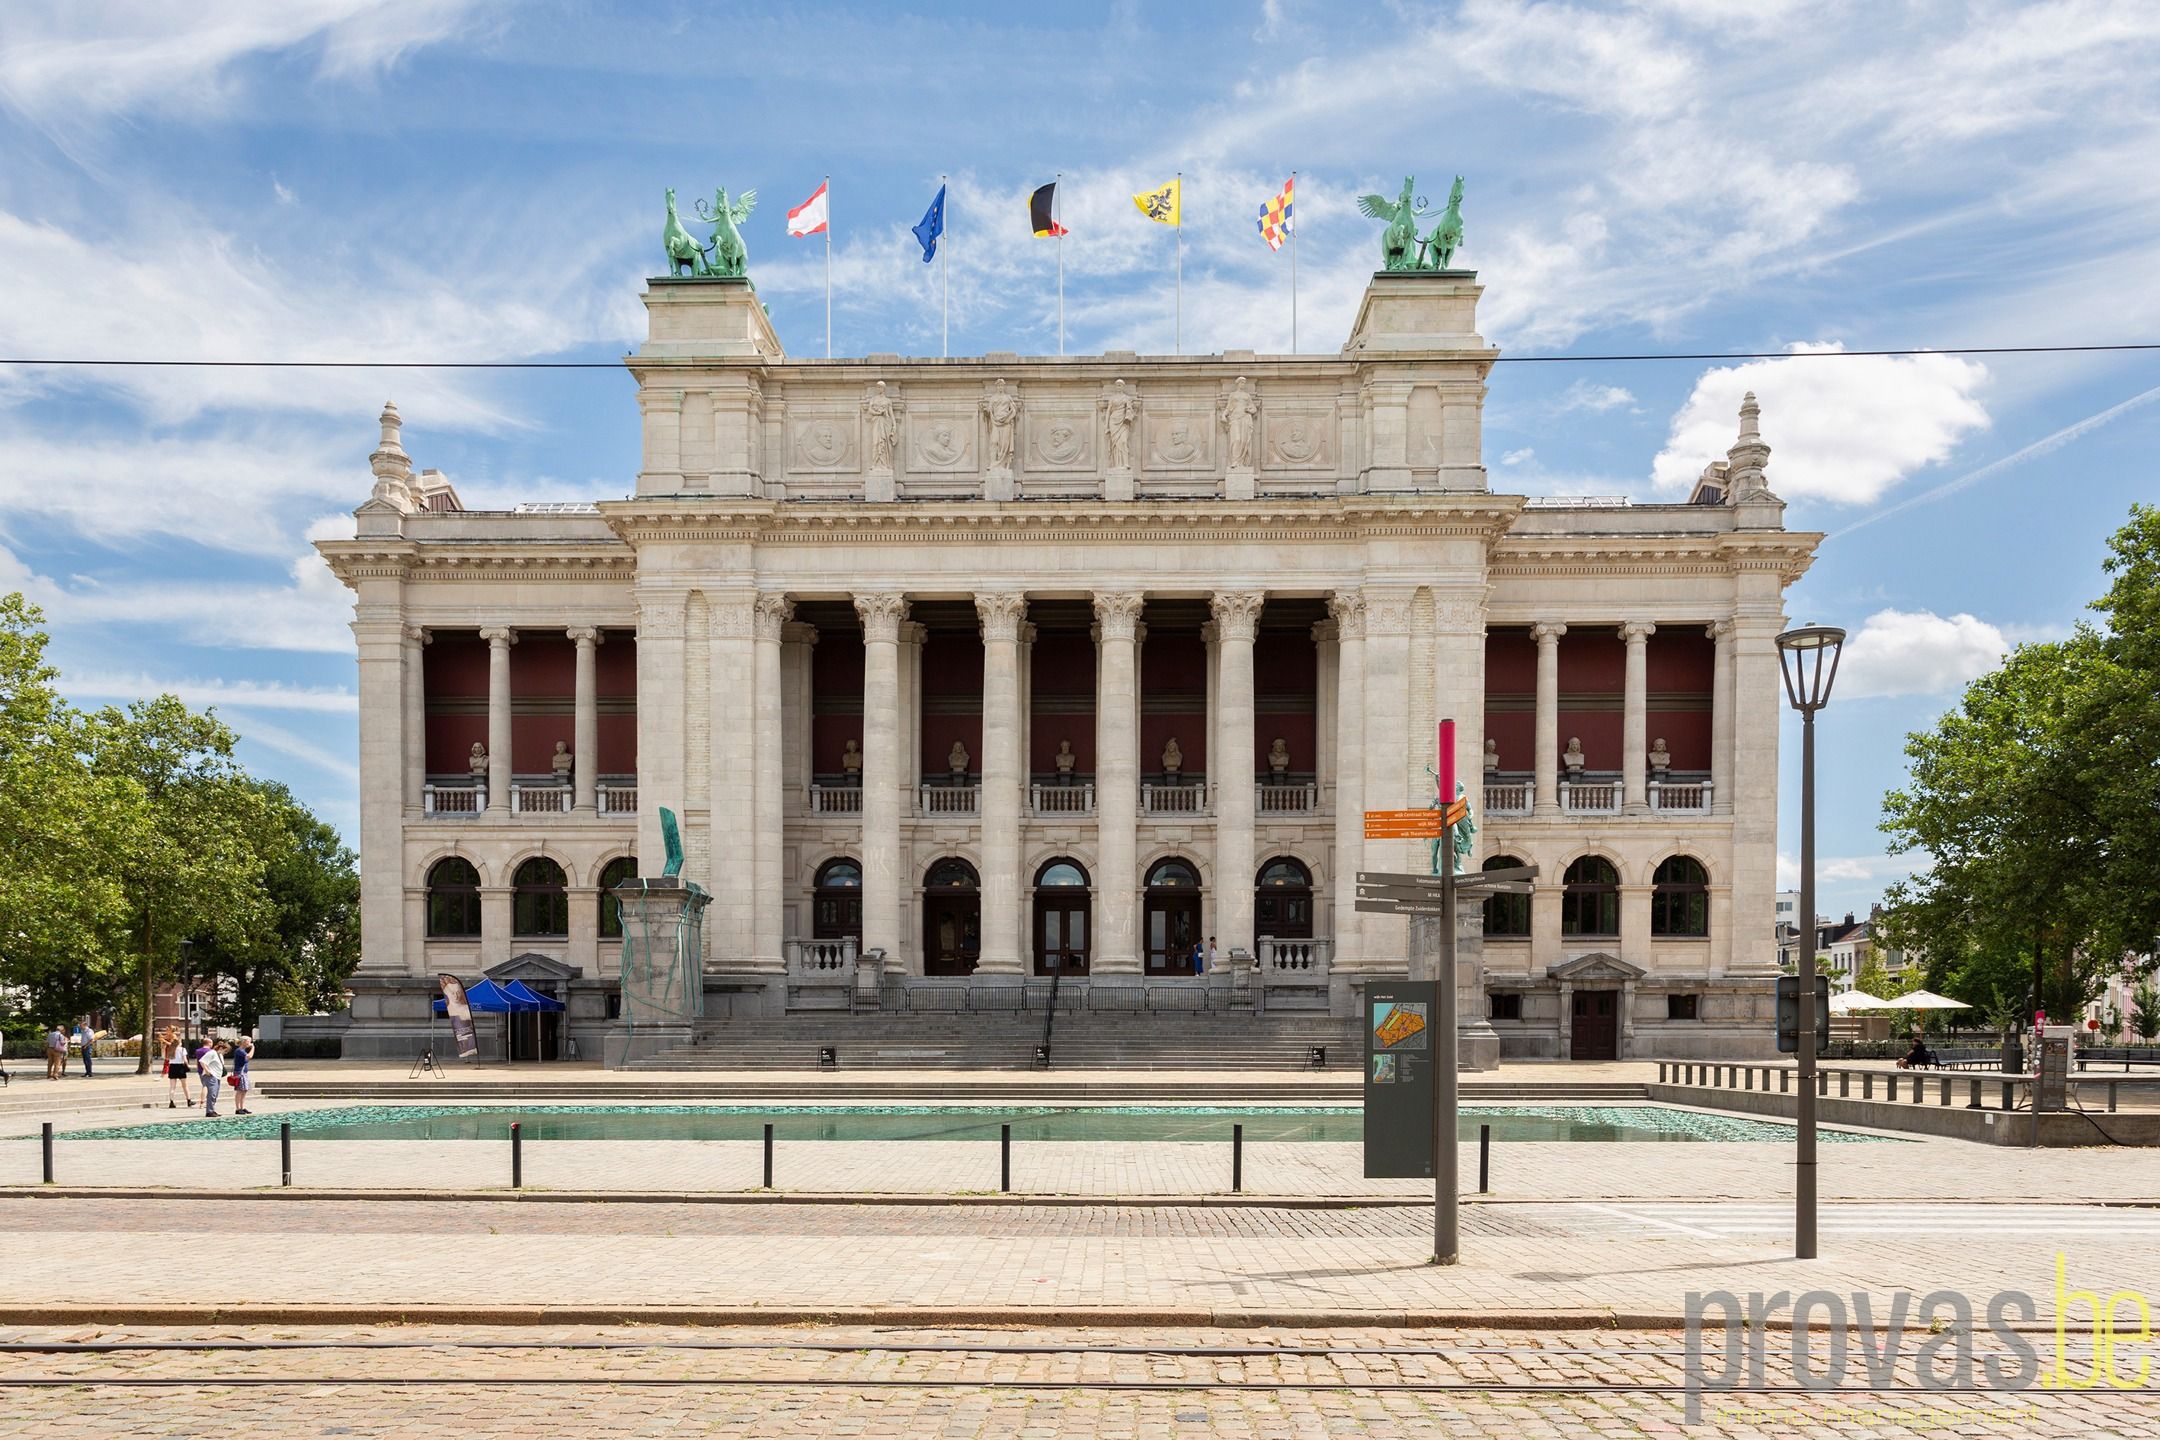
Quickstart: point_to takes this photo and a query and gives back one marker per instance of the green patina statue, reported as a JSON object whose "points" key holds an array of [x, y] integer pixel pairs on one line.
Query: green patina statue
{"points": [[728, 254], [681, 249], [1465, 833], [1400, 247], [671, 837]]}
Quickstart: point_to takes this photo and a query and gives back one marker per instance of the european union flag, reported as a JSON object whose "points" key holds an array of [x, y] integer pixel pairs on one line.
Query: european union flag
{"points": [[933, 225]]}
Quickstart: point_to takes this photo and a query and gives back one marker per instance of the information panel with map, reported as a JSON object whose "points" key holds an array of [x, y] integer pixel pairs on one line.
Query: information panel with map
{"points": [[1399, 1080]]}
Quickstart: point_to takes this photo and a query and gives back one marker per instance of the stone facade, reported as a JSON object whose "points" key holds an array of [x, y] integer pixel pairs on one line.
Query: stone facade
{"points": [[831, 569]]}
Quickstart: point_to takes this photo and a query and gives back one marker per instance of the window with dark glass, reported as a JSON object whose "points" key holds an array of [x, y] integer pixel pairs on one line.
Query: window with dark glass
{"points": [[836, 901], [1590, 899], [453, 900], [1507, 1005], [1681, 1007], [540, 902], [951, 875], [621, 868], [1061, 873], [1283, 900], [1680, 899], [1507, 917]]}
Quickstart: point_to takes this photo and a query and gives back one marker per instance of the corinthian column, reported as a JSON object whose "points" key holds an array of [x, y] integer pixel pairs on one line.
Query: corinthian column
{"points": [[1348, 609], [1635, 718], [1117, 783], [1237, 621], [881, 617], [499, 642], [585, 719], [1002, 779], [1548, 633], [768, 741]]}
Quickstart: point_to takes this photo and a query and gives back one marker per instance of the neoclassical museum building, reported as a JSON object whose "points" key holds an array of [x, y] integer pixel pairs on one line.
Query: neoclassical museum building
{"points": [[963, 673]]}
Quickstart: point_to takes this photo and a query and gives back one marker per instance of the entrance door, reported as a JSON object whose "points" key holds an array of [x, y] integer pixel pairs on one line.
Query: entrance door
{"points": [[1061, 934], [1595, 1034], [952, 933], [1173, 928]]}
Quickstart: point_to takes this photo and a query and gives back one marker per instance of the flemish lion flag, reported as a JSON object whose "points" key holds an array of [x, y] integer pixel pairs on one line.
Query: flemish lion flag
{"points": [[1163, 204], [1042, 212]]}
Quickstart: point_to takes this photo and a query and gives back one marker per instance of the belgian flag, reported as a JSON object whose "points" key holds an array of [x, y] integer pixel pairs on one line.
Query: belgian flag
{"points": [[1042, 212]]}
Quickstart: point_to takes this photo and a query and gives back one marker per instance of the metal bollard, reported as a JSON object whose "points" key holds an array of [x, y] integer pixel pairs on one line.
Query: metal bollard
{"points": [[517, 1156], [1004, 1159], [768, 1155], [48, 1153], [284, 1137], [1484, 1159], [1237, 1158]]}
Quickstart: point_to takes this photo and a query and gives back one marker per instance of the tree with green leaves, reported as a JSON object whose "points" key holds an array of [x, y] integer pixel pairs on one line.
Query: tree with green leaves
{"points": [[1874, 977], [2145, 1011]]}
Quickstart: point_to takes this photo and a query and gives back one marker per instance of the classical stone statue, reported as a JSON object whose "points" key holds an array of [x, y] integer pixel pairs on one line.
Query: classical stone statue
{"points": [[1278, 758], [728, 254], [1492, 756], [1120, 408], [1436, 250], [851, 760], [1003, 408], [478, 764], [1660, 757], [883, 414], [1572, 757], [957, 759], [1239, 411], [1064, 759], [565, 763], [681, 249], [1173, 759], [1399, 242]]}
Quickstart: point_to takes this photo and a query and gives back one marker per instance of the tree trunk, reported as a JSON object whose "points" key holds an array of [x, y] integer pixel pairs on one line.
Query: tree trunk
{"points": [[149, 997]]}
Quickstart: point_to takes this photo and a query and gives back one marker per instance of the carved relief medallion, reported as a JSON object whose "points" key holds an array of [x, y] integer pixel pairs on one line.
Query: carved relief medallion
{"points": [[942, 442], [825, 443]]}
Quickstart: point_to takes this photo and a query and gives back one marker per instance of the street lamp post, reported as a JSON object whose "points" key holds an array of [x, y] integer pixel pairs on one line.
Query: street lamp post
{"points": [[1809, 658]]}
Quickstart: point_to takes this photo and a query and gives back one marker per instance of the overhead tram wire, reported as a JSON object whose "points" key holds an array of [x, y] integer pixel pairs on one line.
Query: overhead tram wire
{"points": [[77, 362]]}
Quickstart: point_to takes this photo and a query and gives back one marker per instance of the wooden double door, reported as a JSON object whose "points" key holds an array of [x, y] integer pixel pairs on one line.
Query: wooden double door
{"points": [[1594, 1028], [952, 933], [1061, 931], [1172, 927]]}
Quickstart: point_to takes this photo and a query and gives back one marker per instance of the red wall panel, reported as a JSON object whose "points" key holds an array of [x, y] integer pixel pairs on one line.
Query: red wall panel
{"points": [[836, 681], [1510, 663], [1599, 731], [1680, 659], [1516, 733], [1592, 662], [1062, 701], [1173, 681], [951, 703]]}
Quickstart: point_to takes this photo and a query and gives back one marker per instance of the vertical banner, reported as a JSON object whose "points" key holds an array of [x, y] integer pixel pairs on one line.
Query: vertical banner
{"points": [[460, 1013], [1399, 1080]]}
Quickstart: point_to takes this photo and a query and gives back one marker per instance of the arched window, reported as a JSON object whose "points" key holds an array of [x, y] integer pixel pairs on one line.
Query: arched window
{"points": [[1507, 917], [952, 874], [1282, 900], [1061, 873], [1590, 899], [836, 905], [540, 908], [1172, 874], [453, 900], [621, 868], [1680, 899]]}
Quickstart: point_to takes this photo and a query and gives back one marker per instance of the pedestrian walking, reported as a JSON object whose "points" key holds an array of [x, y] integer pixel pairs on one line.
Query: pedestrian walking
{"points": [[4, 1078], [211, 1067], [243, 1083], [1210, 952], [55, 1053], [176, 1068], [87, 1038]]}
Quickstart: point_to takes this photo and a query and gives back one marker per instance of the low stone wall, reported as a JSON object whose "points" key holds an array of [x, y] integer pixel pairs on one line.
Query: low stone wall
{"points": [[1956, 1121]]}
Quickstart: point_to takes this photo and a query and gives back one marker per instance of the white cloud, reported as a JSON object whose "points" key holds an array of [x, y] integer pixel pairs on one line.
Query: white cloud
{"points": [[1850, 869], [285, 742], [1839, 430], [312, 613], [1917, 652], [242, 694], [1587, 395]]}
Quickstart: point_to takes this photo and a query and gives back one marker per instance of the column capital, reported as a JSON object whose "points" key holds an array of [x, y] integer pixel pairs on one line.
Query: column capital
{"points": [[1325, 632], [584, 634], [1237, 612], [1347, 609], [1720, 630], [770, 616], [499, 635], [1635, 632], [1001, 612], [419, 634], [1548, 631], [881, 614], [799, 632], [1117, 613]]}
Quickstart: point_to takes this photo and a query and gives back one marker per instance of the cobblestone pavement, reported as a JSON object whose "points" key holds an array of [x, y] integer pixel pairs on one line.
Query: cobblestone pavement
{"points": [[1584, 1259], [962, 1384]]}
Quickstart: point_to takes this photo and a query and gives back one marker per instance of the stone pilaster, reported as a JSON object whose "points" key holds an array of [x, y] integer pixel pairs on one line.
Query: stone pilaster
{"points": [[499, 642], [731, 688], [1237, 624], [585, 720], [1721, 719], [1388, 615], [1459, 682], [1548, 633], [1117, 782], [769, 620], [1635, 719], [1348, 609], [383, 647], [1758, 707], [662, 719], [1001, 614], [882, 615]]}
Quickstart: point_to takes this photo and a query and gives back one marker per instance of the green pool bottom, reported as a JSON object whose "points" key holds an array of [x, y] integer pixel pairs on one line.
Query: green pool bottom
{"points": [[1107, 1123]]}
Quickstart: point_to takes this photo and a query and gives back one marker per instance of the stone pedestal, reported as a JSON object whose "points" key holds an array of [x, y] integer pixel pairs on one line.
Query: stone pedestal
{"points": [[1239, 484], [879, 485], [1118, 485], [997, 484], [1477, 1044]]}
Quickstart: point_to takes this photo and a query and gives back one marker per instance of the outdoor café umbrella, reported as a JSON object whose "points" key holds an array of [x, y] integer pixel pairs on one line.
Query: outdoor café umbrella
{"points": [[1845, 1002], [1927, 1000]]}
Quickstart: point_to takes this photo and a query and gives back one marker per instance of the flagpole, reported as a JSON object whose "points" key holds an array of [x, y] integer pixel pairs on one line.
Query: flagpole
{"points": [[1057, 203], [828, 267], [1293, 262], [1177, 293], [944, 266]]}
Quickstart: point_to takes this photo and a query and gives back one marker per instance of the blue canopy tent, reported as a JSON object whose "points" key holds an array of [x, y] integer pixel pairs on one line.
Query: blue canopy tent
{"points": [[504, 998]]}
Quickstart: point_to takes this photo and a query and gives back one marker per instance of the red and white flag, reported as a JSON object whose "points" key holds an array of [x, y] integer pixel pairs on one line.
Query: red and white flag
{"points": [[808, 218]]}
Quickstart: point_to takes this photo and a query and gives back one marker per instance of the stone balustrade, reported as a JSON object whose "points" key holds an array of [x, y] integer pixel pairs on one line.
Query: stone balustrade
{"points": [[835, 800], [1174, 799], [1686, 796], [458, 800], [1509, 797], [1590, 797], [948, 800], [1061, 800], [616, 799], [1293, 974], [539, 797], [1272, 799]]}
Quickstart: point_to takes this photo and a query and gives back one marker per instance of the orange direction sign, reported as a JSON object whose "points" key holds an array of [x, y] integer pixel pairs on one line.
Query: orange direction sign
{"points": [[1458, 811], [1403, 824]]}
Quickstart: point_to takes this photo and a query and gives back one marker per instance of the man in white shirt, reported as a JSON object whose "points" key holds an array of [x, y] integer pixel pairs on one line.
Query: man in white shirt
{"points": [[212, 1069]]}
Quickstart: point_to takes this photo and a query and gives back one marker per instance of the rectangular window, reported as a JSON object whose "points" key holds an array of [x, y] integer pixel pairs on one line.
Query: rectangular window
{"points": [[1506, 1006], [1681, 1007]]}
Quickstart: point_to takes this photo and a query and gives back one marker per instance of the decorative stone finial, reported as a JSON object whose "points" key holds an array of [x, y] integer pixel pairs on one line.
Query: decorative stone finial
{"points": [[392, 466], [1749, 455]]}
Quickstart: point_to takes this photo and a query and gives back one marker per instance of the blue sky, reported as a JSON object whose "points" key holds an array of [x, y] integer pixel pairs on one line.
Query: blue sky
{"points": [[456, 179]]}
